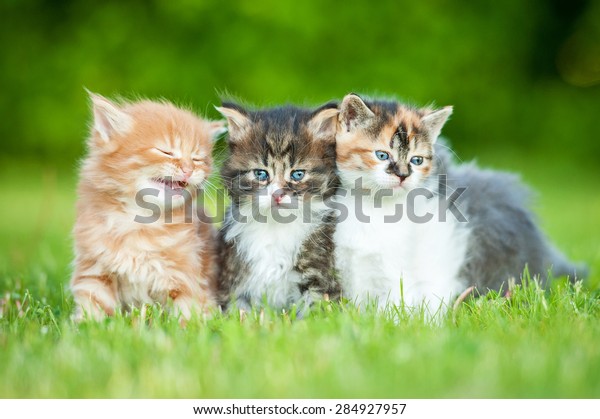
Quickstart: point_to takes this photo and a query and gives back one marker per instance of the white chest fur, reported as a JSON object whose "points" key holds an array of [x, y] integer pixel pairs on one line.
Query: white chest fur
{"points": [[270, 250], [399, 260]]}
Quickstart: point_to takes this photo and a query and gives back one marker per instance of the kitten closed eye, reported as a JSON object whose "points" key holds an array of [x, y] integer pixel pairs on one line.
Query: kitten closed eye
{"points": [[122, 259], [165, 152]]}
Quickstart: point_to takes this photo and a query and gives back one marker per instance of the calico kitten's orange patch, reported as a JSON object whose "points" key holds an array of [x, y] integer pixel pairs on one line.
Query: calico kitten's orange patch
{"points": [[479, 232], [120, 261], [396, 130], [355, 156]]}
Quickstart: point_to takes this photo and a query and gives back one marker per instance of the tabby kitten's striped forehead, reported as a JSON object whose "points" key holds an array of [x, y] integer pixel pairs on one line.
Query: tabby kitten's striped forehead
{"points": [[386, 143], [287, 150]]}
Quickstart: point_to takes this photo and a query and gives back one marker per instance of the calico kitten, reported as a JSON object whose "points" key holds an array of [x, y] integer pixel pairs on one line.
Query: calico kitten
{"points": [[389, 150], [278, 232], [121, 261]]}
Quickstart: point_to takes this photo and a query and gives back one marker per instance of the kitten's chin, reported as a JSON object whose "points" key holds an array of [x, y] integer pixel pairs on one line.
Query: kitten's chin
{"points": [[161, 200], [164, 192], [397, 188], [170, 186], [283, 208]]}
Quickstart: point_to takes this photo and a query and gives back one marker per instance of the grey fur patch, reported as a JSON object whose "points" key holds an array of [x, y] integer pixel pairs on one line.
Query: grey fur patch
{"points": [[504, 233]]}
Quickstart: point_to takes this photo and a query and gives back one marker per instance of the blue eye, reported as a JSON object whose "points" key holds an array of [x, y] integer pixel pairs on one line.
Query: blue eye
{"points": [[261, 175], [382, 155], [417, 160], [297, 175]]}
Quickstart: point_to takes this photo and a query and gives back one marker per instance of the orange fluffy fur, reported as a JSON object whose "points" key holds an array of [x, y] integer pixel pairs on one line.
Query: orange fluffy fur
{"points": [[120, 262]]}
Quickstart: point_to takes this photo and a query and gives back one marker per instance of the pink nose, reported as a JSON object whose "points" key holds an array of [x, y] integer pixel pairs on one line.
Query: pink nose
{"points": [[278, 196], [187, 173]]}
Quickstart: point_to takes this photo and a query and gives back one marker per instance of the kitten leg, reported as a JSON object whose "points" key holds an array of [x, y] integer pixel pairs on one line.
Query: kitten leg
{"points": [[232, 271], [309, 297], [241, 304], [316, 264], [317, 286], [188, 301], [95, 296], [190, 293]]}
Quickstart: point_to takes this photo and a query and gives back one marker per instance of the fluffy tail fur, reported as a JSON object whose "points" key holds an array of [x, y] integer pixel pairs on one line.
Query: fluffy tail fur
{"points": [[561, 266]]}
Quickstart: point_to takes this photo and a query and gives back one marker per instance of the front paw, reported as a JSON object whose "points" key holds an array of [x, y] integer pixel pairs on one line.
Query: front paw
{"points": [[306, 303], [89, 312], [240, 305]]}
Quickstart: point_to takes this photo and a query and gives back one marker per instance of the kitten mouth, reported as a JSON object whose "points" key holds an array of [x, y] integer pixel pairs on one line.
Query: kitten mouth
{"points": [[175, 185]]}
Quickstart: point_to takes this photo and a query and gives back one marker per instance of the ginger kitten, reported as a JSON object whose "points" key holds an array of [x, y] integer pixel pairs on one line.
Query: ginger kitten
{"points": [[278, 231], [143, 156], [388, 152]]}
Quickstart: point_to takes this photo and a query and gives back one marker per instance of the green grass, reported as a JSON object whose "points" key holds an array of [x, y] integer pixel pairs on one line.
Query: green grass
{"points": [[535, 344]]}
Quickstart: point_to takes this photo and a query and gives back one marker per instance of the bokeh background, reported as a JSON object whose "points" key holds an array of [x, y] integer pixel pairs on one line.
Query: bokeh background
{"points": [[524, 78]]}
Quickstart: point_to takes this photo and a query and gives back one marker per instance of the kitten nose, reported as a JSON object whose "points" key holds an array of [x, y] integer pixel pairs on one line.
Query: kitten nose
{"points": [[278, 196], [400, 173], [187, 172]]}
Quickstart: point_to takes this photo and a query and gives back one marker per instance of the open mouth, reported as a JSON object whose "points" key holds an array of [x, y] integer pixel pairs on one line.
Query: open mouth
{"points": [[174, 185]]}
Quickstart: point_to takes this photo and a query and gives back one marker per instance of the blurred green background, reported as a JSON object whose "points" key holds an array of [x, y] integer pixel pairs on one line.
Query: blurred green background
{"points": [[524, 78]]}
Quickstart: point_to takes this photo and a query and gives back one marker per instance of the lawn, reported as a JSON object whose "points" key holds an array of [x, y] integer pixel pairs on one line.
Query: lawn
{"points": [[535, 344]]}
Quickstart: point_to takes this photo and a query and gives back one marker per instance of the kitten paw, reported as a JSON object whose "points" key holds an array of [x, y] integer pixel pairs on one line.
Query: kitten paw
{"points": [[88, 313]]}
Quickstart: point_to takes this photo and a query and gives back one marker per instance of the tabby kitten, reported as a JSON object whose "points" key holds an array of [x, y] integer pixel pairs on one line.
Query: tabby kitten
{"points": [[121, 261], [388, 150], [278, 231]]}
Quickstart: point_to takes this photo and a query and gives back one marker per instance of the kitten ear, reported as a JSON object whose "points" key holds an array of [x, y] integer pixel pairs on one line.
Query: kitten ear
{"points": [[237, 119], [434, 122], [354, 113], [323, 124], [216, 129], [109, 119]]}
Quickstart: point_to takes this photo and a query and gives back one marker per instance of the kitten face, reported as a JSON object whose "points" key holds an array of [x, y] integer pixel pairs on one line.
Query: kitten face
{"points": [[281, 157], [386, 145], [149, 146]]}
